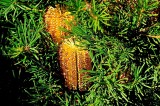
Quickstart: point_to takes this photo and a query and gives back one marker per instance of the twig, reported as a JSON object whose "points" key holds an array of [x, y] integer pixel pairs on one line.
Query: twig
{"points": [[153, 36]]}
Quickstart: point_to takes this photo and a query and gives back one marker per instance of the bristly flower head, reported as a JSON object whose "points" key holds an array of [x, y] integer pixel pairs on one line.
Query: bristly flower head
{"points": [[55, 18]]}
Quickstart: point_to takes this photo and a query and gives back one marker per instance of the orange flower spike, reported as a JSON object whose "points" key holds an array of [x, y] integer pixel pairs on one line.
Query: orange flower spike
{"points": [[73, 59], [83, 62], [67, 57], [54, 18]]}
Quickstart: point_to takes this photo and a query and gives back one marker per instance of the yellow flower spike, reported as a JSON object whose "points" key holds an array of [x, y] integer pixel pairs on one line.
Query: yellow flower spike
{"points": [[71, 57], [55, 18], [72, 60]]}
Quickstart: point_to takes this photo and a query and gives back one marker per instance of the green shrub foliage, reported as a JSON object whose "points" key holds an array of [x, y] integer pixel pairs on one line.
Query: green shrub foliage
{"points": [[123, 40]]}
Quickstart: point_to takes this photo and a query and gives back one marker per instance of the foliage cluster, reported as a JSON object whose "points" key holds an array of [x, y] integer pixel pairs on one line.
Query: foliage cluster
{"points": [[122, 37]]}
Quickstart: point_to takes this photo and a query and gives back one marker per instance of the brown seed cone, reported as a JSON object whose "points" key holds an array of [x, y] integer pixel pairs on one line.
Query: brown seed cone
{"points": [[72, 60], [55, 18]]}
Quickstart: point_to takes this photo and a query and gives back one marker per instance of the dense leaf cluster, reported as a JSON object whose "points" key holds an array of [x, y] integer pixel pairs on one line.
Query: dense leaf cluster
{"points": [[123, 40]]}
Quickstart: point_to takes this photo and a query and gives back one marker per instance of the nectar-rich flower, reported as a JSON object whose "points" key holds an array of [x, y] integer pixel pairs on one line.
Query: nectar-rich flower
{"points": [[56, 18], [73, 59]]}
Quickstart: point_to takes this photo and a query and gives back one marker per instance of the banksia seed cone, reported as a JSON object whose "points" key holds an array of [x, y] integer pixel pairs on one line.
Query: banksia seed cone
{"points": [[55, 18], [72, 60]]}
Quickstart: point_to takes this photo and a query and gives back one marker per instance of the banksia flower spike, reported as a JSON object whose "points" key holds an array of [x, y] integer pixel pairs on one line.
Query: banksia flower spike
{"points": [[73, 59], [55, 18]]}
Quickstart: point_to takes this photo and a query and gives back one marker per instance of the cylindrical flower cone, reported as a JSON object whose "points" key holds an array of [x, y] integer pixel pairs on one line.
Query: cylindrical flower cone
{"points": [[55, 18], [73, 59]]}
